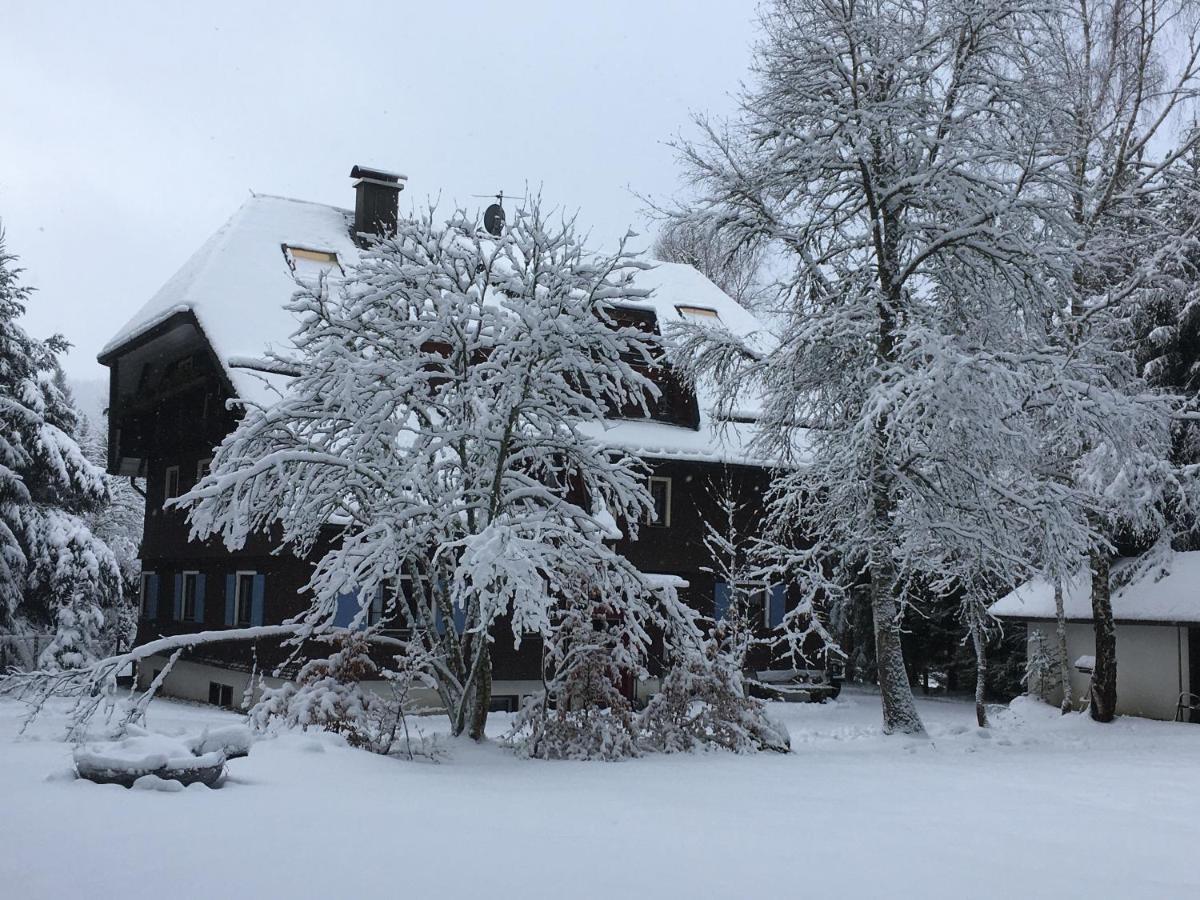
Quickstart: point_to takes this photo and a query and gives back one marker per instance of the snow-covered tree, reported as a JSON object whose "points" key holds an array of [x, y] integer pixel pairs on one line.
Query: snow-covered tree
{"points": [[591, 652], [895, 153], [730, 544], [118, 522], [702, 703], [737, 270], [432, 443], [329, 695], [1125, 73], [55, 574]]}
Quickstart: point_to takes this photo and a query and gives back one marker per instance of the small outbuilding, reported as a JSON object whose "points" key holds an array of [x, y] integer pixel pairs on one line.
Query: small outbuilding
{"points": [[1157, 613]]}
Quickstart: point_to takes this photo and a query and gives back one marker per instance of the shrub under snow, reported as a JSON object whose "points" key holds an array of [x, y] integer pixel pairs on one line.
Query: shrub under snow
{"points": [[328, 694]]}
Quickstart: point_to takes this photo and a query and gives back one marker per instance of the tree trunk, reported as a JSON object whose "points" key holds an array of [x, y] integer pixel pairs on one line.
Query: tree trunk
{"points": [[1104, 675], [481, 696], [899, 707], [980, 645], [1060, 629]]}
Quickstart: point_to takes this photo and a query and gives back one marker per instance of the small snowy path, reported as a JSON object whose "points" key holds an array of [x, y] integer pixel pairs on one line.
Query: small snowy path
{"points": [[1040, 806]]}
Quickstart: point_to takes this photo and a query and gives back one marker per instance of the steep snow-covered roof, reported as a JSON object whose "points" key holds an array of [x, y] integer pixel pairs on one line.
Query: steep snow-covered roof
{"points": [[1149, 597], [237, 283]]}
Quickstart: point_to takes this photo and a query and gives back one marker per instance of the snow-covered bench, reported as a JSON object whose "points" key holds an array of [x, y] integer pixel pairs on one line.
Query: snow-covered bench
{"points": [[197, 760]]}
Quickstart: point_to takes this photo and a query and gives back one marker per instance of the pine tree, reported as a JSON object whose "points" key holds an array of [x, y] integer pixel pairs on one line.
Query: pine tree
{"points": [[54, 573]]}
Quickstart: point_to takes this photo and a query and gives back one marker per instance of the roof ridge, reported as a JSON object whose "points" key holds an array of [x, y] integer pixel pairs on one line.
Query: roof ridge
{"points": [[256, 195]]}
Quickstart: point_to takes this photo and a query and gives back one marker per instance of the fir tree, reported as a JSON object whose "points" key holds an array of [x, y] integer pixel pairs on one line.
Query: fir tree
{"points": [[55, 574]]}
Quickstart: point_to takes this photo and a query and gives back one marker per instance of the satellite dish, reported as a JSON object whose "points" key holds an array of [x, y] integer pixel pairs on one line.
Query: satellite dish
{"points": [[493, 219]]}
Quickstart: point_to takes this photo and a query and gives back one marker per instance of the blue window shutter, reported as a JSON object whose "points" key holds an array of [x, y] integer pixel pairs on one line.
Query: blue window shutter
{"points": [[256, 601], [152, 597], [347, 609], [178, 598], [720, 600], [460, 619], [778, 601], [230, 600], [200, 597], [438, 625]]}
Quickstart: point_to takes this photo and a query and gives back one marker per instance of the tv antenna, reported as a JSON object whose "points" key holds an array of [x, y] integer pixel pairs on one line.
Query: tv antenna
{"points": [[493, 216]]}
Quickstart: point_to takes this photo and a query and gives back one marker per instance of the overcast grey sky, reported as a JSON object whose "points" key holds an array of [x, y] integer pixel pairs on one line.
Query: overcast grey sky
{"points": [[132, 130]]}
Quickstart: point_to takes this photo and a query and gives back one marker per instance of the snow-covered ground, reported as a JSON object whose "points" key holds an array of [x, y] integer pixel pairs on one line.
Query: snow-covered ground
{"points": [[1040, 806]]}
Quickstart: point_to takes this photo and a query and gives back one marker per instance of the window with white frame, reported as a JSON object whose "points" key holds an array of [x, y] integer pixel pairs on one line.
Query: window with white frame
{"points": [[191, 582], [170, 483], [202, 467], [243, 603], [660, 495]]}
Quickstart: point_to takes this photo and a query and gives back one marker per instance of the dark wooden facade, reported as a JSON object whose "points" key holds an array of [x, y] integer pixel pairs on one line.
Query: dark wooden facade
{"points": [[168, 410]]}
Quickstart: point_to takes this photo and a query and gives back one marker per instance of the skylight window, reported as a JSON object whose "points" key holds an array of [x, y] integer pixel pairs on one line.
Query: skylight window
{"points": [[307, 263], [698, 314]]}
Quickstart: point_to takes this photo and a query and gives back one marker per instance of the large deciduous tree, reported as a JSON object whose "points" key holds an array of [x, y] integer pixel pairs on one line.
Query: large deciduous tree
{"points": [[1126, 72], [430, 445], [897, 153]]}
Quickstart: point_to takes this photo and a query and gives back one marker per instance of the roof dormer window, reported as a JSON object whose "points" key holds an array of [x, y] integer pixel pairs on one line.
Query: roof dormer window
{"points": [[703, 314], [306, 262]]}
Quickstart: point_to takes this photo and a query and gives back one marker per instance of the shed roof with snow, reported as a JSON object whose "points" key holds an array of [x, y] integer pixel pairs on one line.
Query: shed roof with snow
{"points": [[1165, 594], [237, 284]]}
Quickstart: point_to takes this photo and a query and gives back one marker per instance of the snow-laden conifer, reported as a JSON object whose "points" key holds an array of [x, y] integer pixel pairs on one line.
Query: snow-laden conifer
{"points": [[55, 574]]}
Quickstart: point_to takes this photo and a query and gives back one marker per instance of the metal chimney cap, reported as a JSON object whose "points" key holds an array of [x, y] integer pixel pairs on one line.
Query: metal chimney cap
{"points": [[376, 174]]}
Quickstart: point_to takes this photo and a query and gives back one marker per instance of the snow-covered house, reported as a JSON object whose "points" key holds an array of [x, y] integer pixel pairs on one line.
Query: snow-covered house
{"points": [[200, 341], [1158, 634]]}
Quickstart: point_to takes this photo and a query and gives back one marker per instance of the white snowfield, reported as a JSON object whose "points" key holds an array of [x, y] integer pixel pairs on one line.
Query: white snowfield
{"points": [[1149, 597], [1038, 806], [237, 283]]}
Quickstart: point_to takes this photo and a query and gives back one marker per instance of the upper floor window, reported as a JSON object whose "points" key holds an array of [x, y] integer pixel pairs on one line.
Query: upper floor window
{"points": [[660, 494], [191, 586], [202, 467], [308, 263], [244, 598], [703, 314], [171, 483]]}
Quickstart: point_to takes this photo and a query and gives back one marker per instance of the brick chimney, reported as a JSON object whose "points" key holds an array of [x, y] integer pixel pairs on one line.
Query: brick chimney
{"points": [[376, 202]]}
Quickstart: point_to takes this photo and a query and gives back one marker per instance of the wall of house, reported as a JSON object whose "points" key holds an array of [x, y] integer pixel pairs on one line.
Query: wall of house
{"points": [[1152, 666], [170, 401], [190, 679]]}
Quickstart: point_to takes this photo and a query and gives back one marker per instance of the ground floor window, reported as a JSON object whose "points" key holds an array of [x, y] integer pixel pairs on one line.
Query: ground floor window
{"points": [[220, 694], [660, 494], [148, 599]]}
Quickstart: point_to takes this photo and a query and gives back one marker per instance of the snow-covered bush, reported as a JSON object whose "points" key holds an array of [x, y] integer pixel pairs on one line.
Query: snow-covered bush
{"points": [[583, 713], [702, 703], [328, 694]]}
